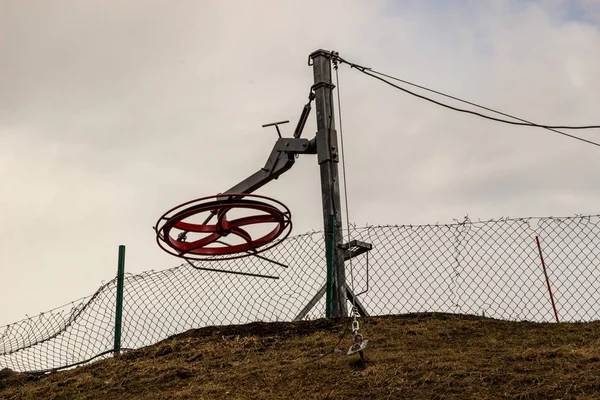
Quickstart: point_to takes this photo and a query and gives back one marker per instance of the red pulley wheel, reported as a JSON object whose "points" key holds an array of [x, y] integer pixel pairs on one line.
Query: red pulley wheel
{"points": [[179, 231]]}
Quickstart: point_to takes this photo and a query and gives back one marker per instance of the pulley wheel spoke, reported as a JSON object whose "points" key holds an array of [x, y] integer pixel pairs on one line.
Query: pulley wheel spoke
{"points": [[176, 222]]}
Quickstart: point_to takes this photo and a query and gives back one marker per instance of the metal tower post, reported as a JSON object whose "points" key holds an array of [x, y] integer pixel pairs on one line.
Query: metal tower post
{"points": [[327, 154]]}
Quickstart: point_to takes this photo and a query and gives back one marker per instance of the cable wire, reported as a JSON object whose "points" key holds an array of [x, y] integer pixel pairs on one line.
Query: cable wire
{"points": [[524, 122], [332, 350], [345, 181]]}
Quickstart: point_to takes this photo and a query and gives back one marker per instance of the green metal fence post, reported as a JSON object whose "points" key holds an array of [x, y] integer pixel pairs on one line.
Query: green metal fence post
{"points": [[119, 310], [330, 256]]}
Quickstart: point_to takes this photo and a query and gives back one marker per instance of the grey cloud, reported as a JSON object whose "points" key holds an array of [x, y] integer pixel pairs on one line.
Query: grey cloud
{"points": [[111, 113]]}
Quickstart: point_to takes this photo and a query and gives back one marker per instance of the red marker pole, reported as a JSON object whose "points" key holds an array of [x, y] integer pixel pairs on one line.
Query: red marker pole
{"points": [[537, 239]]}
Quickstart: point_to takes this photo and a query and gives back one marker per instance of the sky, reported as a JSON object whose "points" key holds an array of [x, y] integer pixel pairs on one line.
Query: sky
{"points": [[111, 113]]}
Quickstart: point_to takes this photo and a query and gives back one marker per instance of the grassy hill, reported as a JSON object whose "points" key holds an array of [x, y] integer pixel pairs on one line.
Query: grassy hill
{"points": [[417, 356]]}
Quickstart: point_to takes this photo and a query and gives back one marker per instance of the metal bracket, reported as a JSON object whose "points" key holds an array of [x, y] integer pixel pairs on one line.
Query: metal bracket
{"points": [[352, 249], [292, 145], [277, 160], [355, 248], [326, 149], [326, 85]]}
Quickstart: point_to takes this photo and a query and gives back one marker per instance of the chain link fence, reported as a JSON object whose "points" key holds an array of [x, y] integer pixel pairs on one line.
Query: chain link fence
{"points": [[490, 268]]}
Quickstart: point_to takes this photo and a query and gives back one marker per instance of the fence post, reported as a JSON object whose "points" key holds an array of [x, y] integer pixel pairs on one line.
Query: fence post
{"points": [[119, 310], [537, 240]]}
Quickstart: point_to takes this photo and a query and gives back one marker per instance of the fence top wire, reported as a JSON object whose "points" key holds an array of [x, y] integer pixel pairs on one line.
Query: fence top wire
{"points": [[73, 304]]}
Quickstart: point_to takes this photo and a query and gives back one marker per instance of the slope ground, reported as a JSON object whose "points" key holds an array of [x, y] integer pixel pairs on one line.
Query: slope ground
{"points": [[417, 356]]}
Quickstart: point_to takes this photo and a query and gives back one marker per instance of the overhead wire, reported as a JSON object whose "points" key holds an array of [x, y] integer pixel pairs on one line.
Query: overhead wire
{"points": [[344, 180], [523, 122]]}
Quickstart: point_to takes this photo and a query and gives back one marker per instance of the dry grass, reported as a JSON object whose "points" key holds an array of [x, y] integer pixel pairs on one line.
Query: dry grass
{"points": [[420, 356]]}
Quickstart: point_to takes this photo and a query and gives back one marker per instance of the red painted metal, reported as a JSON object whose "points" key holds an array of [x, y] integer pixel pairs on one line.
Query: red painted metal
{"points": [[537, 239], [208, 243]]}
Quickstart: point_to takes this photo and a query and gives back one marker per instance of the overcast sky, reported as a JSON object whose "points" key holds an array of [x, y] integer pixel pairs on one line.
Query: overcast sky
{"points": [[113, 112]]}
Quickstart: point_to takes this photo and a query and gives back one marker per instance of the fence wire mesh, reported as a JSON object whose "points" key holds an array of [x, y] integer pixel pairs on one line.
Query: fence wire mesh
{"points": [[489, 268]]}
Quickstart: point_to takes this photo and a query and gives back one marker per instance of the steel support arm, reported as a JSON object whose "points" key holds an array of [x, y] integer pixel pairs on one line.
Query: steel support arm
{"points": [[281, 159], [283, 155]]}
